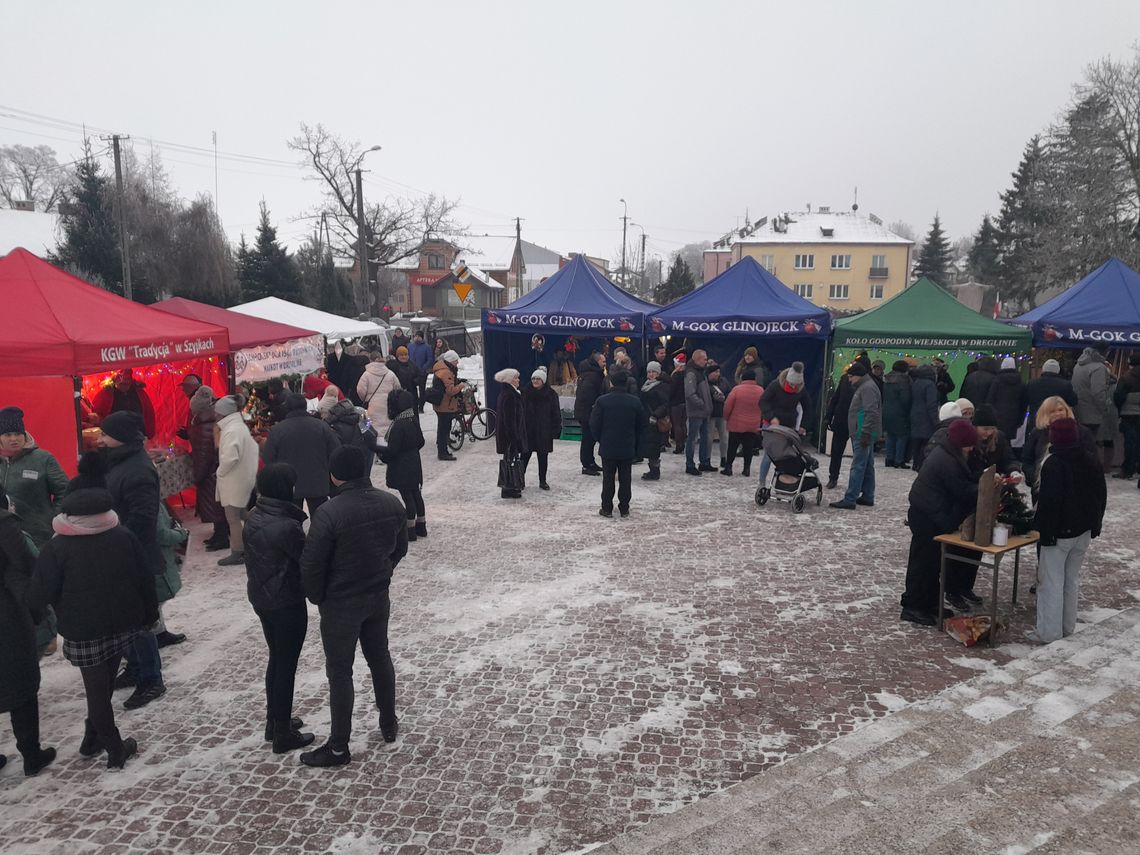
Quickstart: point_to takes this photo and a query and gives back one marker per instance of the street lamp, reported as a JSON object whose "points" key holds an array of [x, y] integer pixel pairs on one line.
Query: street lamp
{"points": [[641, 264], [360, 237], [624, 221]]}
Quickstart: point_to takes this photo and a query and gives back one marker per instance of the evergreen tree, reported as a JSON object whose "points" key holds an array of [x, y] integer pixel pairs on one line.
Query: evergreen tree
{"points": [[934, 257], [241, 267], [1024, 217], [90, 244], [677, 284], [983, 256], [268, 270], [322, 285]]}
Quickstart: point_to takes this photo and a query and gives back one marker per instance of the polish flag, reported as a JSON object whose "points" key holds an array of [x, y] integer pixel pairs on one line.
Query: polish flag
{"points": [[997, 306]]}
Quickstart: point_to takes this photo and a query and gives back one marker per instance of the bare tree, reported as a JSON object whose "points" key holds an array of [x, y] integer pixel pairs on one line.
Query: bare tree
{"points": [[902, 229], [1117, 86], [394, 228], [31, 174]]}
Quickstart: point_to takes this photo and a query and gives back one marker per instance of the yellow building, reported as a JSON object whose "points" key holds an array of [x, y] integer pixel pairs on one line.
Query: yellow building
{"points": [[842, 261]]}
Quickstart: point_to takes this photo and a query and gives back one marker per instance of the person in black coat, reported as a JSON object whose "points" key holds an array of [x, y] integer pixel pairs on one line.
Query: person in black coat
{"points": [[355, 541], [976, 385], [784, 401], [1007, 395], [619, 420], [542, 418], [406, 371], [97, 576], [401, 455], [274, 541], [942, 496], [923, 411], [19, 659], [836, 416], [306, 443], [510, 430], [943, 382], [676, 381], [344, 420], [1047, 385], [655, 399], [591, 386], [346, 368]]}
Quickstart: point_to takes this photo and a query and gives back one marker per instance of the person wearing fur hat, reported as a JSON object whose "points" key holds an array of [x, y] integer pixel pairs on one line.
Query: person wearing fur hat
{"points": [[619, 421], [19, 666], [124, 394], [100, 580], [743, 417], [542, 417], [401, 455], [655, 399], [306, 444], [1069, 514], [786, 402], [1008, 397], [446, 373], [941, 497], [897, 399], [237, 471], [204, 464], [510, 431], [355, 541]]}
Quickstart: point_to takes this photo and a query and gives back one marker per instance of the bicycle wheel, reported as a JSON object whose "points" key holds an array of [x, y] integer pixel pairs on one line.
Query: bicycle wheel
{"points": [[456, 435], [483, 423]]}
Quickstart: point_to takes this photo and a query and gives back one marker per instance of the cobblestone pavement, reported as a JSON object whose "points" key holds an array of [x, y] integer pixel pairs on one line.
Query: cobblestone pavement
{"points": [[562, 677]]}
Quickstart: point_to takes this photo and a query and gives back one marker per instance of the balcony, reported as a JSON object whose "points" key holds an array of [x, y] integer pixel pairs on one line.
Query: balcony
{"points": [[878, 273]]}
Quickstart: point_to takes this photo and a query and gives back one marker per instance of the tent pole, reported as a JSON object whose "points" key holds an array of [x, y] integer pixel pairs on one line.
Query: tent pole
{"points": [[77, 385], [821, 404]]}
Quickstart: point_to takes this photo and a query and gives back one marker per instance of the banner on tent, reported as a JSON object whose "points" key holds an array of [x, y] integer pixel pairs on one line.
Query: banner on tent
{"points": [[988, 342], [157, 351], [1128, 336], [803, 326], [299, 356], [560, 320]]}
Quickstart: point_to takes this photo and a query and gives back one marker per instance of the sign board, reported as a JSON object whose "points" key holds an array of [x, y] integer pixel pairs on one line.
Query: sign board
{"points": [[298, 356], [462, 291]]}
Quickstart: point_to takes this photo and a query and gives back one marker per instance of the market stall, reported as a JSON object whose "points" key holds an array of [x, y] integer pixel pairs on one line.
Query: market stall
{"points": [[333, 327], [64, 337]]}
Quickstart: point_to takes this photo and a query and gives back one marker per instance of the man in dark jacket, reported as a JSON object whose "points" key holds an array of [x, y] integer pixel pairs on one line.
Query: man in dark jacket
{"points": [[676, 381], [306, 443], [864, 424], [618, 420], [1126, 397], [943, 382], [1008, 397], [1050, 383], [837, 406], [698, 411], [419, 352], [132, 482], [897, 399], [976, 386], [923, 411], [355, 541], [591, 386]]}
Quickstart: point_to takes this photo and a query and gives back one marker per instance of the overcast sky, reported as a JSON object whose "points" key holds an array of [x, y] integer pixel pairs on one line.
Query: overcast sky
{"points": [[692, 111]]}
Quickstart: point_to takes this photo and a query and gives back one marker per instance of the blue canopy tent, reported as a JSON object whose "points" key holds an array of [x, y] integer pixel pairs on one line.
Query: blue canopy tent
{"points": [[1103, 308], [576, 301], [747, 305]]}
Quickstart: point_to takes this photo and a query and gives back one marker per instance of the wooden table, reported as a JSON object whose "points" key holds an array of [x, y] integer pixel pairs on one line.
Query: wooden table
{"points": [[1016, 542]]}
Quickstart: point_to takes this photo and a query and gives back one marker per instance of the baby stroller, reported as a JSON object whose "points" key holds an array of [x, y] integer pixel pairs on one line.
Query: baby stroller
{"points": [[794, 470]]}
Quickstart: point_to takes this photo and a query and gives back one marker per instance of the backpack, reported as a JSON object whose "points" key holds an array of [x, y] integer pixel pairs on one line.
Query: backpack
{"points": [[434, 393]]}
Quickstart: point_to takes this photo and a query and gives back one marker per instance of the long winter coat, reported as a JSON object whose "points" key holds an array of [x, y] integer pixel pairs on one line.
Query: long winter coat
{"points": [[402, 454], [923, 402], [543, 418], [375, 385], [204, 460], [976, 386], [446, 375], [306, 443], [170, 538], [839, 404], [132, 482], [345, 371], [510, 431], [655, 398], [274, 541], [1072, 496], [408, 375], [1009, 400], [1037, 446], [742, 407], [1090, 382], [237, 462], [1048, 386], [19, 660], [618, 420], [897, 398], [35, 482], [591, 386], [945, 491]]}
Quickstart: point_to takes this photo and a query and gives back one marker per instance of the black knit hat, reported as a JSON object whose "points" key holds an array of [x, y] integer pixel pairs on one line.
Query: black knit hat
{"points": [[985, 416], [12, 420], [87, 502], [92, 473], [277, 481], [296, 401], [348, 463], [619, 377], [748, 374], [857, 369], [123, 426]]}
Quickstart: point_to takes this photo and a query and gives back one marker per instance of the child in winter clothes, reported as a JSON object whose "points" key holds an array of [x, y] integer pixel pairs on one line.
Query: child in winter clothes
{"points": [[401, 454]]}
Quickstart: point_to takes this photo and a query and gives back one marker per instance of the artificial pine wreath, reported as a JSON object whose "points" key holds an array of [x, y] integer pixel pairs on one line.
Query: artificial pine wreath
{"points": [[1013, 510]]}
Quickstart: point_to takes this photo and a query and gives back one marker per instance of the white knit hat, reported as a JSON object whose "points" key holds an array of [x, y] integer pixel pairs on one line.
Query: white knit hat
{"points": [[653, 366], [506, 375], [963, 403], [1008, 362], [795, 375], [540, 373], [450, 356], [1051, 366], [949, 410]]}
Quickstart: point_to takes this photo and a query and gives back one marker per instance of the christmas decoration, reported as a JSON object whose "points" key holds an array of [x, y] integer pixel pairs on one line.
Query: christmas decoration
{"points": [[1013, 509]]}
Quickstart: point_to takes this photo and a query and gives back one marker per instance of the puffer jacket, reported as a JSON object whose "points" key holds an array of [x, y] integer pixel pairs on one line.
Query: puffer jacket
{"points": [[780, 402], [237, 462], [976, 386], [1009, 400], [446, 375], [1090, 382], [923, 402], [376, 383], [35, 482], [345, 422], [1072, 496], [274, 542], [133, 484], [945, 492], [355, 541], [591, 386], [1127, 394], [897, 398], [742, 407]]}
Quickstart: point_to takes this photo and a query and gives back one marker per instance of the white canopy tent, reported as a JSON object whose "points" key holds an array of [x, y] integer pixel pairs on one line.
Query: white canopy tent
{"points": [[333, 327]]}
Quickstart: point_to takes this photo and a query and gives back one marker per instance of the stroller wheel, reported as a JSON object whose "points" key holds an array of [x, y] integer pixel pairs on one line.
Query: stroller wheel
{"points": [[762, 496], [818, 496], [799, 503]]}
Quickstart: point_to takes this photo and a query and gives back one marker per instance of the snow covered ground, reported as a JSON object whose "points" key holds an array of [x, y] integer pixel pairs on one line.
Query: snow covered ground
{"points": [[561, 677]]}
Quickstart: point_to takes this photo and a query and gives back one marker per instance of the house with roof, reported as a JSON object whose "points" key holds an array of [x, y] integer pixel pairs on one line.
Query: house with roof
{"points": [[842, 260]]}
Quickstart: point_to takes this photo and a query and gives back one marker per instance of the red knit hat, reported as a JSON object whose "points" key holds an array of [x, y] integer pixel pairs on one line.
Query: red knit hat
{"points": [[962, 434], [1064, 433]]}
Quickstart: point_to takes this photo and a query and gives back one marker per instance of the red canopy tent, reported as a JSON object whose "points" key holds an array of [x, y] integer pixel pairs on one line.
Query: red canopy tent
{"points": [[244, 330], [56, 328]]}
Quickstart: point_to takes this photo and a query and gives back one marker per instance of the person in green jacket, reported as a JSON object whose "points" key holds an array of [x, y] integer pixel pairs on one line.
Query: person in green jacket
{"points": [[171, 538]]}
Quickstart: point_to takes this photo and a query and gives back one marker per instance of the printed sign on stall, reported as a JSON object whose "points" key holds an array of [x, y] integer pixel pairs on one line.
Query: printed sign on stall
{"points": [[298, 356]]}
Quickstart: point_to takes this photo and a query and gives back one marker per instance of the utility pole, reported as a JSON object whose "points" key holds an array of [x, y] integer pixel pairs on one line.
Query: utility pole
{"points": [[641, 267], [215, 135], [624, 222], [124, 245], [360, 240], [520, 267]]}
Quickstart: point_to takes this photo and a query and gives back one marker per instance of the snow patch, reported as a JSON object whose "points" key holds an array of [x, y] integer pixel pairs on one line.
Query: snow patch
{"points": [[731, 666], [355, 844], [668, 716], [990, 709], [890, 700]]}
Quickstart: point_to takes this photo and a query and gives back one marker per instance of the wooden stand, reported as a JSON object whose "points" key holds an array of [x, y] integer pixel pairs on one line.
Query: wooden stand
{"points": [[986, 513]]}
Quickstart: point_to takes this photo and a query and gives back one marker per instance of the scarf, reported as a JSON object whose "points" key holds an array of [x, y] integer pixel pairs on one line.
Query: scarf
{"points": [[789, 388], [68, 526], [406, 414], [649, 384]]}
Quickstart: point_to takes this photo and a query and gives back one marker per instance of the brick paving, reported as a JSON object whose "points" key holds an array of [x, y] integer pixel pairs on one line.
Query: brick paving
{"points": [[561, 677]]}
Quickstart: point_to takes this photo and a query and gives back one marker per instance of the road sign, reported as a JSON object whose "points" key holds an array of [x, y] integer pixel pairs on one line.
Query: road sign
{"points": [[462, 291]]}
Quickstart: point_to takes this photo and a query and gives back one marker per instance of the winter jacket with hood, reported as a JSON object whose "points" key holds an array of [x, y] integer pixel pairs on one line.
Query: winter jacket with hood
{"points": [[344, 420], [976, 386], [35, 483], [897, 399], [780, 401], [133, 484], [403, 441], [1009, 399], [591, 386], [542, 417], [1071, 497], [376, 383], [237, 461], [19, 659], [945, 492], [419, 352], [1127, 394], [449, 379], [865, 416], [1090, 382], [274, 541], [742, 407], [923, 402], [1047, 386], [306, 443], [698, 396]]}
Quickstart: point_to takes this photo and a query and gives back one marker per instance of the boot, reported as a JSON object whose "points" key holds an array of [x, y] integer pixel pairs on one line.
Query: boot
{"points": [[294, 723], [36, 760], [411, 534], [726, 469], [390, 730], [90, 746], [747, 467], [118, 759], [326, 756], [232, 560], [654, 473], [287, 738], [1107, 453], [421, 527]]}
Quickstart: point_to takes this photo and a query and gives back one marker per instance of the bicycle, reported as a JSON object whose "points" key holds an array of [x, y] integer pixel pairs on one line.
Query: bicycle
{"points": [[477, 422]]}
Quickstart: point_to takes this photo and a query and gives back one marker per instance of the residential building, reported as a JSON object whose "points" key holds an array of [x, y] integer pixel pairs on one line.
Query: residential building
{"points": [[842, 260]]}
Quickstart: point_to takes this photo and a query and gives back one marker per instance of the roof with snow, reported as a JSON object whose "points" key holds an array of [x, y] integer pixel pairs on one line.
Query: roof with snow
{"points": [[33, 230], [487, 252], [822, 228]]}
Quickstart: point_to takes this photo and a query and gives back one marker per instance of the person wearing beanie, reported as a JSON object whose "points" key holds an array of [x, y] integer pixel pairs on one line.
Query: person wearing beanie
{"points": [[719, 387], [592, 384], [835, 419], [619, 421], [403, 471], [236, 473], [751, 359], [356, 539], [305, 443], [510, 433], [406, 371], [948, 412], [1009, 398], [698, 411], [204, 465], [897, 399], [676, 383], [122, 393], [654, 395], [1050, 383], [966, 407], [445, 374], [1070, 511], [786, 402], [100, 580], [1126, 399], [742, 417], [30, 476], [864, 424], [542, 417], [19, 665], [943, 494]]}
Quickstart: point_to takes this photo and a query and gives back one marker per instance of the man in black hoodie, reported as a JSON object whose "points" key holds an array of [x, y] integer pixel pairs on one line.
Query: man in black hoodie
{"points": [[976, 386]]}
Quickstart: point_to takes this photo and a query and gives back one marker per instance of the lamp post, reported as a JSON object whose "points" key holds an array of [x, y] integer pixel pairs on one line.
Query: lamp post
{"points": [[624, 222], [641, 260], [361, 241]]}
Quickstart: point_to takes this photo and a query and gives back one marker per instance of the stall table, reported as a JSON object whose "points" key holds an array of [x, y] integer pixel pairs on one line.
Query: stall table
{"points": [[1015, 545]]}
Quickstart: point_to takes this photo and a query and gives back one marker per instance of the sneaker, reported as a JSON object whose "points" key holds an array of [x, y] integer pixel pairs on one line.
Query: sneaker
{"points": [[326, 757], [390, 730], [843, 505], [33, 763], [587, 470], [118, 759], [971, 597], [602, 512], [921, 618], [143, 695], [125, 680], [956, 602], [863, 502], [232, 560], [692, 470], [287, 738], [168, 639]]}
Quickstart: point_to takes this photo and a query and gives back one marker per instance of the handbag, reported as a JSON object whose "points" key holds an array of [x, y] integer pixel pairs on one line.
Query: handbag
{"points": [[664, 424], [511, 474]]}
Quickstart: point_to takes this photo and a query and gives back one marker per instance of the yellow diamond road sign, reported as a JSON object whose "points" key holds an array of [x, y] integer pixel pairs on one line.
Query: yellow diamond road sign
{"points": [[461, 290]]}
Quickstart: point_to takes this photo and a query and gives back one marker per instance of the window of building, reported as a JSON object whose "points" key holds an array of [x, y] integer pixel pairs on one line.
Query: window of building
{"points": [[876, 292], [804, 289], [435, 261], [768, 262], [838, 292], [841, 262], [805, 262], [878, 261]]}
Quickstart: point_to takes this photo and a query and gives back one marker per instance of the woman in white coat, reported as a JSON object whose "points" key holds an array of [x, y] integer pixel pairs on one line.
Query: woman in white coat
{"points": [[237, 470], [376, 383]]}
